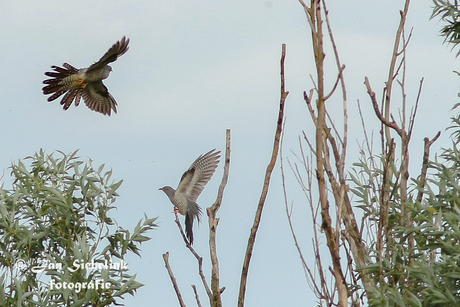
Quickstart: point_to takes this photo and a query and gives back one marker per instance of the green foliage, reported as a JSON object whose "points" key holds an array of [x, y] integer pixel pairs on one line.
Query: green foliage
{"points": [[418, 263], [57, 214], [449, 13]]}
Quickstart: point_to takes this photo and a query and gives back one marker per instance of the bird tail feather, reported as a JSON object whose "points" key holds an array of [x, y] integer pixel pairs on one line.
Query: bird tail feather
{"points": [[193, 211], [55, 85]]}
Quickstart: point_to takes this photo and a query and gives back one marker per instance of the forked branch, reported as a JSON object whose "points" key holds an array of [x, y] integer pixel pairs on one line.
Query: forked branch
{"points": [[216, 300], [375, 105]]}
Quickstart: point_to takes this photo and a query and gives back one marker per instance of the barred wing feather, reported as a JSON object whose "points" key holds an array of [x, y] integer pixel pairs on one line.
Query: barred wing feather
{"points": [[118, 49], [98, 98], [198, 175]]}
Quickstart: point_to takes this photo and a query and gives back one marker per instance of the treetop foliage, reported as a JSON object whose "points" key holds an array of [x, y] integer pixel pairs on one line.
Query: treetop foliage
{"points": [[56, 217]]}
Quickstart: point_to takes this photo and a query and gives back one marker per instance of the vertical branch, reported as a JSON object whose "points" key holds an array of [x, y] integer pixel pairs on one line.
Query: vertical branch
{"points": [[330, 143], [216, 300], [345, 212], [214, 294], [271, 165], [391, 72], [340, 68], [389, 146], [322, 151], [426, 157], [405, 137]]}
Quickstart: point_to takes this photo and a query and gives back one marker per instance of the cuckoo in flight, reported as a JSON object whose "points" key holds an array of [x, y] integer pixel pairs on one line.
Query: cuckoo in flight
{"points": [[86, 82], [190, 186]]}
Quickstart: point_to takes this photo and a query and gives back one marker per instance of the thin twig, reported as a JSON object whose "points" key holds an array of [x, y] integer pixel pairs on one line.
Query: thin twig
{"points": [[340, 67], [197, 297], [289, 212], [308, 99], [391, 72], [417, 101], [173, 279], [263, 196], [198, 258], [339, 77], [308, 273], [382, 119]]}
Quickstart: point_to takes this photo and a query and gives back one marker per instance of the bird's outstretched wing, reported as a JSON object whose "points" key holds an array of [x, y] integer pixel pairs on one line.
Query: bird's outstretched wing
{"points": [[98, 98], [198, 175], [118, 49], [87, 83]]}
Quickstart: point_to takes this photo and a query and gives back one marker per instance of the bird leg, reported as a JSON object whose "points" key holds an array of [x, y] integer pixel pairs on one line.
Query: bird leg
{"points": [[176, 210], [82, 83]]}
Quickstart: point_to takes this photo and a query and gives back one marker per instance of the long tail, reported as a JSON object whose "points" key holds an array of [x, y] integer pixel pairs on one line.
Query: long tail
{"points": [[193, 211], [57, 85]]}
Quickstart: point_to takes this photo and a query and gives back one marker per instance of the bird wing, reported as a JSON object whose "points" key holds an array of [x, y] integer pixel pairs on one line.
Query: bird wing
{"points": [[70, 96], [118, 49], [198, 175], [98, 98]]}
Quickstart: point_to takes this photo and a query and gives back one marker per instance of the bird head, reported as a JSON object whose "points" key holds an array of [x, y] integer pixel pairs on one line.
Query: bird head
{"points": [[168, 191], [106, 72]]}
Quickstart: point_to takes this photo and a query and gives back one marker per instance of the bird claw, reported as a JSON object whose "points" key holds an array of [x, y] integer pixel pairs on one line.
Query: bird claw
{"points": [[82, 83]]}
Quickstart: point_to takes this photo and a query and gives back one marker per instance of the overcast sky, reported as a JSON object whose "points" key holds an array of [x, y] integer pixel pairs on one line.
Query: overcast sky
{"points": [[194, 69]]}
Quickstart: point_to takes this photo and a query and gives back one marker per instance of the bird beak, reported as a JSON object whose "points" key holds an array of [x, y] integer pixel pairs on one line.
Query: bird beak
{"points": [[161, 189]]}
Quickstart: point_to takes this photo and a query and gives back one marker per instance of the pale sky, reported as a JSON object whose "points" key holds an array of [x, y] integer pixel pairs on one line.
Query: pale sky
{"points": [[194, 69]]}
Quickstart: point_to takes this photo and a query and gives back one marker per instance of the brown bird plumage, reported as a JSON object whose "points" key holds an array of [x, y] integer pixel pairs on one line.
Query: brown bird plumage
{"points": [[86, 82]]}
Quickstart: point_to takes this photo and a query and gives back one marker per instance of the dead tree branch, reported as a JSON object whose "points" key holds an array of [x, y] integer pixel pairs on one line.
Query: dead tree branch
{"points": [[198, 258], [339, 77], [271, 165], [173, 279], [197, 297], [375, 105], [216, 300], [425, 163]]}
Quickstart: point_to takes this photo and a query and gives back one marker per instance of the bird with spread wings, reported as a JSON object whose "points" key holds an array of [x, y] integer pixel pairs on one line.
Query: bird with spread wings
{"points": [[86, 82], [190, 186]]}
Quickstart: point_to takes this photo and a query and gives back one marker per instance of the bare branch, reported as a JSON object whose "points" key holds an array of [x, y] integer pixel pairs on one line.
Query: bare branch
{"points": [[173, 279], [319, 292], [289, 212], [271, 165], [426, 156], [391, 73], [310, 108], [197, 297], [198, 258], [382, 119], [406, 43], [412, 118], [213, 222], [339, 77], [312, 149]]}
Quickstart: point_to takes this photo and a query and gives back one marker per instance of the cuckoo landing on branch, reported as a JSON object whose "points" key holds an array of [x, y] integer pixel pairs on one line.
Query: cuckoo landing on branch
{"points": [[190, 186], [86, 82]]}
